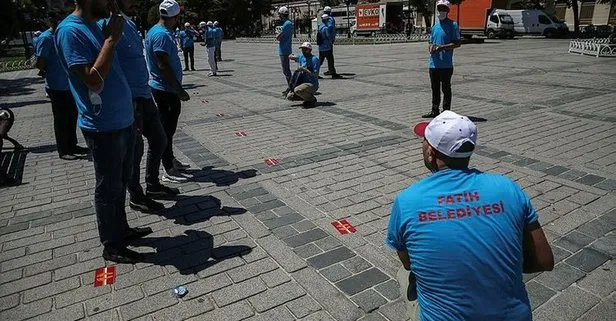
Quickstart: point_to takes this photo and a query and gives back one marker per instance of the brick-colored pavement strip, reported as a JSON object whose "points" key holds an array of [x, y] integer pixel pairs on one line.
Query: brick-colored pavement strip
{"points": [[252, 241]]}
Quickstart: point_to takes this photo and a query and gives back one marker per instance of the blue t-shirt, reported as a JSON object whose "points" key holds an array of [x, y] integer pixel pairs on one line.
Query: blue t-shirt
{"points": [[219, 34], [159, 39], [132, 60], [326, 38], [331, 23], [79, 43], [210, 37], [187, 38], [463, 231], [443, 32], [55, 76], [311, 64], [285, 44]]}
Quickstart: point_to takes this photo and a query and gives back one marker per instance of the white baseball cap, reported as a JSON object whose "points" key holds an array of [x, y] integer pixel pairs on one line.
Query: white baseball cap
{"points": [[283, 10], [325, 17], [187, 24], [443, 3], [327, 9], [306, 45], [447, 132], [202, 23], [216, 23], [169, 8], [209, 23]]}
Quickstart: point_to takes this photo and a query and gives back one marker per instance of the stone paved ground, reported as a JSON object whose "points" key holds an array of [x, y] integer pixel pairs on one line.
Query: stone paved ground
{"points": [[256, 242]]}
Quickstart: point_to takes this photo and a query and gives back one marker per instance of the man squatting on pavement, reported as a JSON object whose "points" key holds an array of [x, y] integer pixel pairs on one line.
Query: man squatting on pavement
{"points": [[464, 237]]}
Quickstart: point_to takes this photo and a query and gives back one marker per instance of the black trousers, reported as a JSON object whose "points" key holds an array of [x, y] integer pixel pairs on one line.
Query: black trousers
{"points": [[329, 55], [440, 78], [189, 52], [64, 120], [169, 107], [147, 123]]}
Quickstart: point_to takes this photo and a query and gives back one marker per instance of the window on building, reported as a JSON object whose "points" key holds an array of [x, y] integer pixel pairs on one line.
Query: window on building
{"points": [[586, 12]]}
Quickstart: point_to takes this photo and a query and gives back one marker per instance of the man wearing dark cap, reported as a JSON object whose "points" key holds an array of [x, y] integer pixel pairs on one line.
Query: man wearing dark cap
{"points": [[464, 237]]}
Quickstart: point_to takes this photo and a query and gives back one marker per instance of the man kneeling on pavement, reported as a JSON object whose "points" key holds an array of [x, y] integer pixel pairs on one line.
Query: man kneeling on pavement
{"points": [[305, 80]]}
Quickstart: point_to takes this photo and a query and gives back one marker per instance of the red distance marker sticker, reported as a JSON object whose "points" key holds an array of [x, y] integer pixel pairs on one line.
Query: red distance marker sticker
{"points": [[240, 133], [344, 227], [271, 162], [104, 276]]}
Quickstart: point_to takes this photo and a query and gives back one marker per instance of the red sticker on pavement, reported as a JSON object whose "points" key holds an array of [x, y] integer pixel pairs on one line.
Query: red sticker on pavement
{"points": [[344, 227], [271, 162], [104, 276], [240, 133]]}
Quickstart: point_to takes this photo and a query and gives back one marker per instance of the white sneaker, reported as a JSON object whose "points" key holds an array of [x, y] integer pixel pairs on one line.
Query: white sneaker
{"points": [[179, 165], [211, 74], [173, 176]]}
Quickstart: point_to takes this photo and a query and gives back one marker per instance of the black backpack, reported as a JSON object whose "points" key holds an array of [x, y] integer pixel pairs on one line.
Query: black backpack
{"points": [[319, 38]]}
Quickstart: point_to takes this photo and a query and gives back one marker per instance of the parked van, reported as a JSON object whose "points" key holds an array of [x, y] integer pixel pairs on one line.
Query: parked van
{"points": [[536, 22]]}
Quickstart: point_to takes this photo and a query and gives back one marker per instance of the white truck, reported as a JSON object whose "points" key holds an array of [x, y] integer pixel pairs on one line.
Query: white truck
{"points": [[536, 22]]}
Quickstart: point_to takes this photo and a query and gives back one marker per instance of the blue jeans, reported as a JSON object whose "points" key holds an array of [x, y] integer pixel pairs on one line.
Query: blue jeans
{"points": [[147, 123], [286, 69], [112, 153]]}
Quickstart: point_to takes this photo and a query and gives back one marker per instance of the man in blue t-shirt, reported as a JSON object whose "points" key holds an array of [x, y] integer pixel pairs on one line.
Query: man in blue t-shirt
{"points": [[56, 85], [219, 36], [284, 38], [444, 39], [305, 81], [166, 82], [147, 118], [187, 41], [210, 47], [105, 107], [326, 46], [464, 237]]}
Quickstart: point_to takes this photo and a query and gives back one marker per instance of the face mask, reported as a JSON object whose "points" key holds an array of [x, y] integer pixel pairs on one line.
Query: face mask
{"points": [[442, 15]]}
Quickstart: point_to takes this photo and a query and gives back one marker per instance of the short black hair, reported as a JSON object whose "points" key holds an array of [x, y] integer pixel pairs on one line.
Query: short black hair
{"points": [[457, 163]]}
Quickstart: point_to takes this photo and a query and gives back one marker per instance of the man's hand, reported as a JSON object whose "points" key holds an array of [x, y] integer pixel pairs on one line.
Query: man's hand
{"points": [[292, 57], [112, 29], [184, 95]]}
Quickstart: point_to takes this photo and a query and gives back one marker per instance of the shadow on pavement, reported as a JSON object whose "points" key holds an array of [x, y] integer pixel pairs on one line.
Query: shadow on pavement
{"points": [[477, 119], [201, 208], [24, 103], [189, 253], [220, 177], [191, 86], [17, 87], [12, 166]]}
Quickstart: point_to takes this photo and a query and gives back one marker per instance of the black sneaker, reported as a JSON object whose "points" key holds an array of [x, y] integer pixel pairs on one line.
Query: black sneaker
{"points": [[309, 104], [327, 73], [135, 233], [337, 76], [161, 191], [285, 93], [121, 255], [432, 114], [68, 157], [146, 205], [321, 77], [78, 150]]}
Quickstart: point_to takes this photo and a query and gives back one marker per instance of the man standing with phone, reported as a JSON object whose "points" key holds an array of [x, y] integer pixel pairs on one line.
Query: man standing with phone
{"points": [[105, 106], [166, 82]]}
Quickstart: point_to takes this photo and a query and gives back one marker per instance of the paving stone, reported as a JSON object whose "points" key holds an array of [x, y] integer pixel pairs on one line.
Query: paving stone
{"points": [[362, 281], [275, 278], [305, 238], [234, 312], [568, 305], [265, 206], [596, 228], [604, 311], [147, 305], [279, 313], [390, 289], [285, 231], [328, 243], [574, 241], [331, 257], [207, 285], [356, 264], [559, 254], [538, 294], [10, 301], [25, 311], [79, 268], [319, 316], [608, 184], [54, 243], [25, 283], [303, 306], [561, 277], [289, 261], [283, 221], [238, 291], [369, 300], [308, 250], [70, 313], [335, 273], [394, 310], [373, 316], [138, 277], [25, 260], [252, 270], [184, 309], [276, 296], [327, 295], [83, 293], [569, 222], [251, 225], [606, 245], [601, 281], [168, 282], [220, 266], [304, 226], [587, 259], [51, 289], [109, 315], [590, 179], [12, 254]]}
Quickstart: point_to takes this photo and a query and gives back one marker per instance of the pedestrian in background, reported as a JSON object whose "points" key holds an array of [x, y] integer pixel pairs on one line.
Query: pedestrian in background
{"points": [[444, 39], [210, 46], [305, 81], [325, 41], [187, 40], [284, 37], [219, 36]]}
